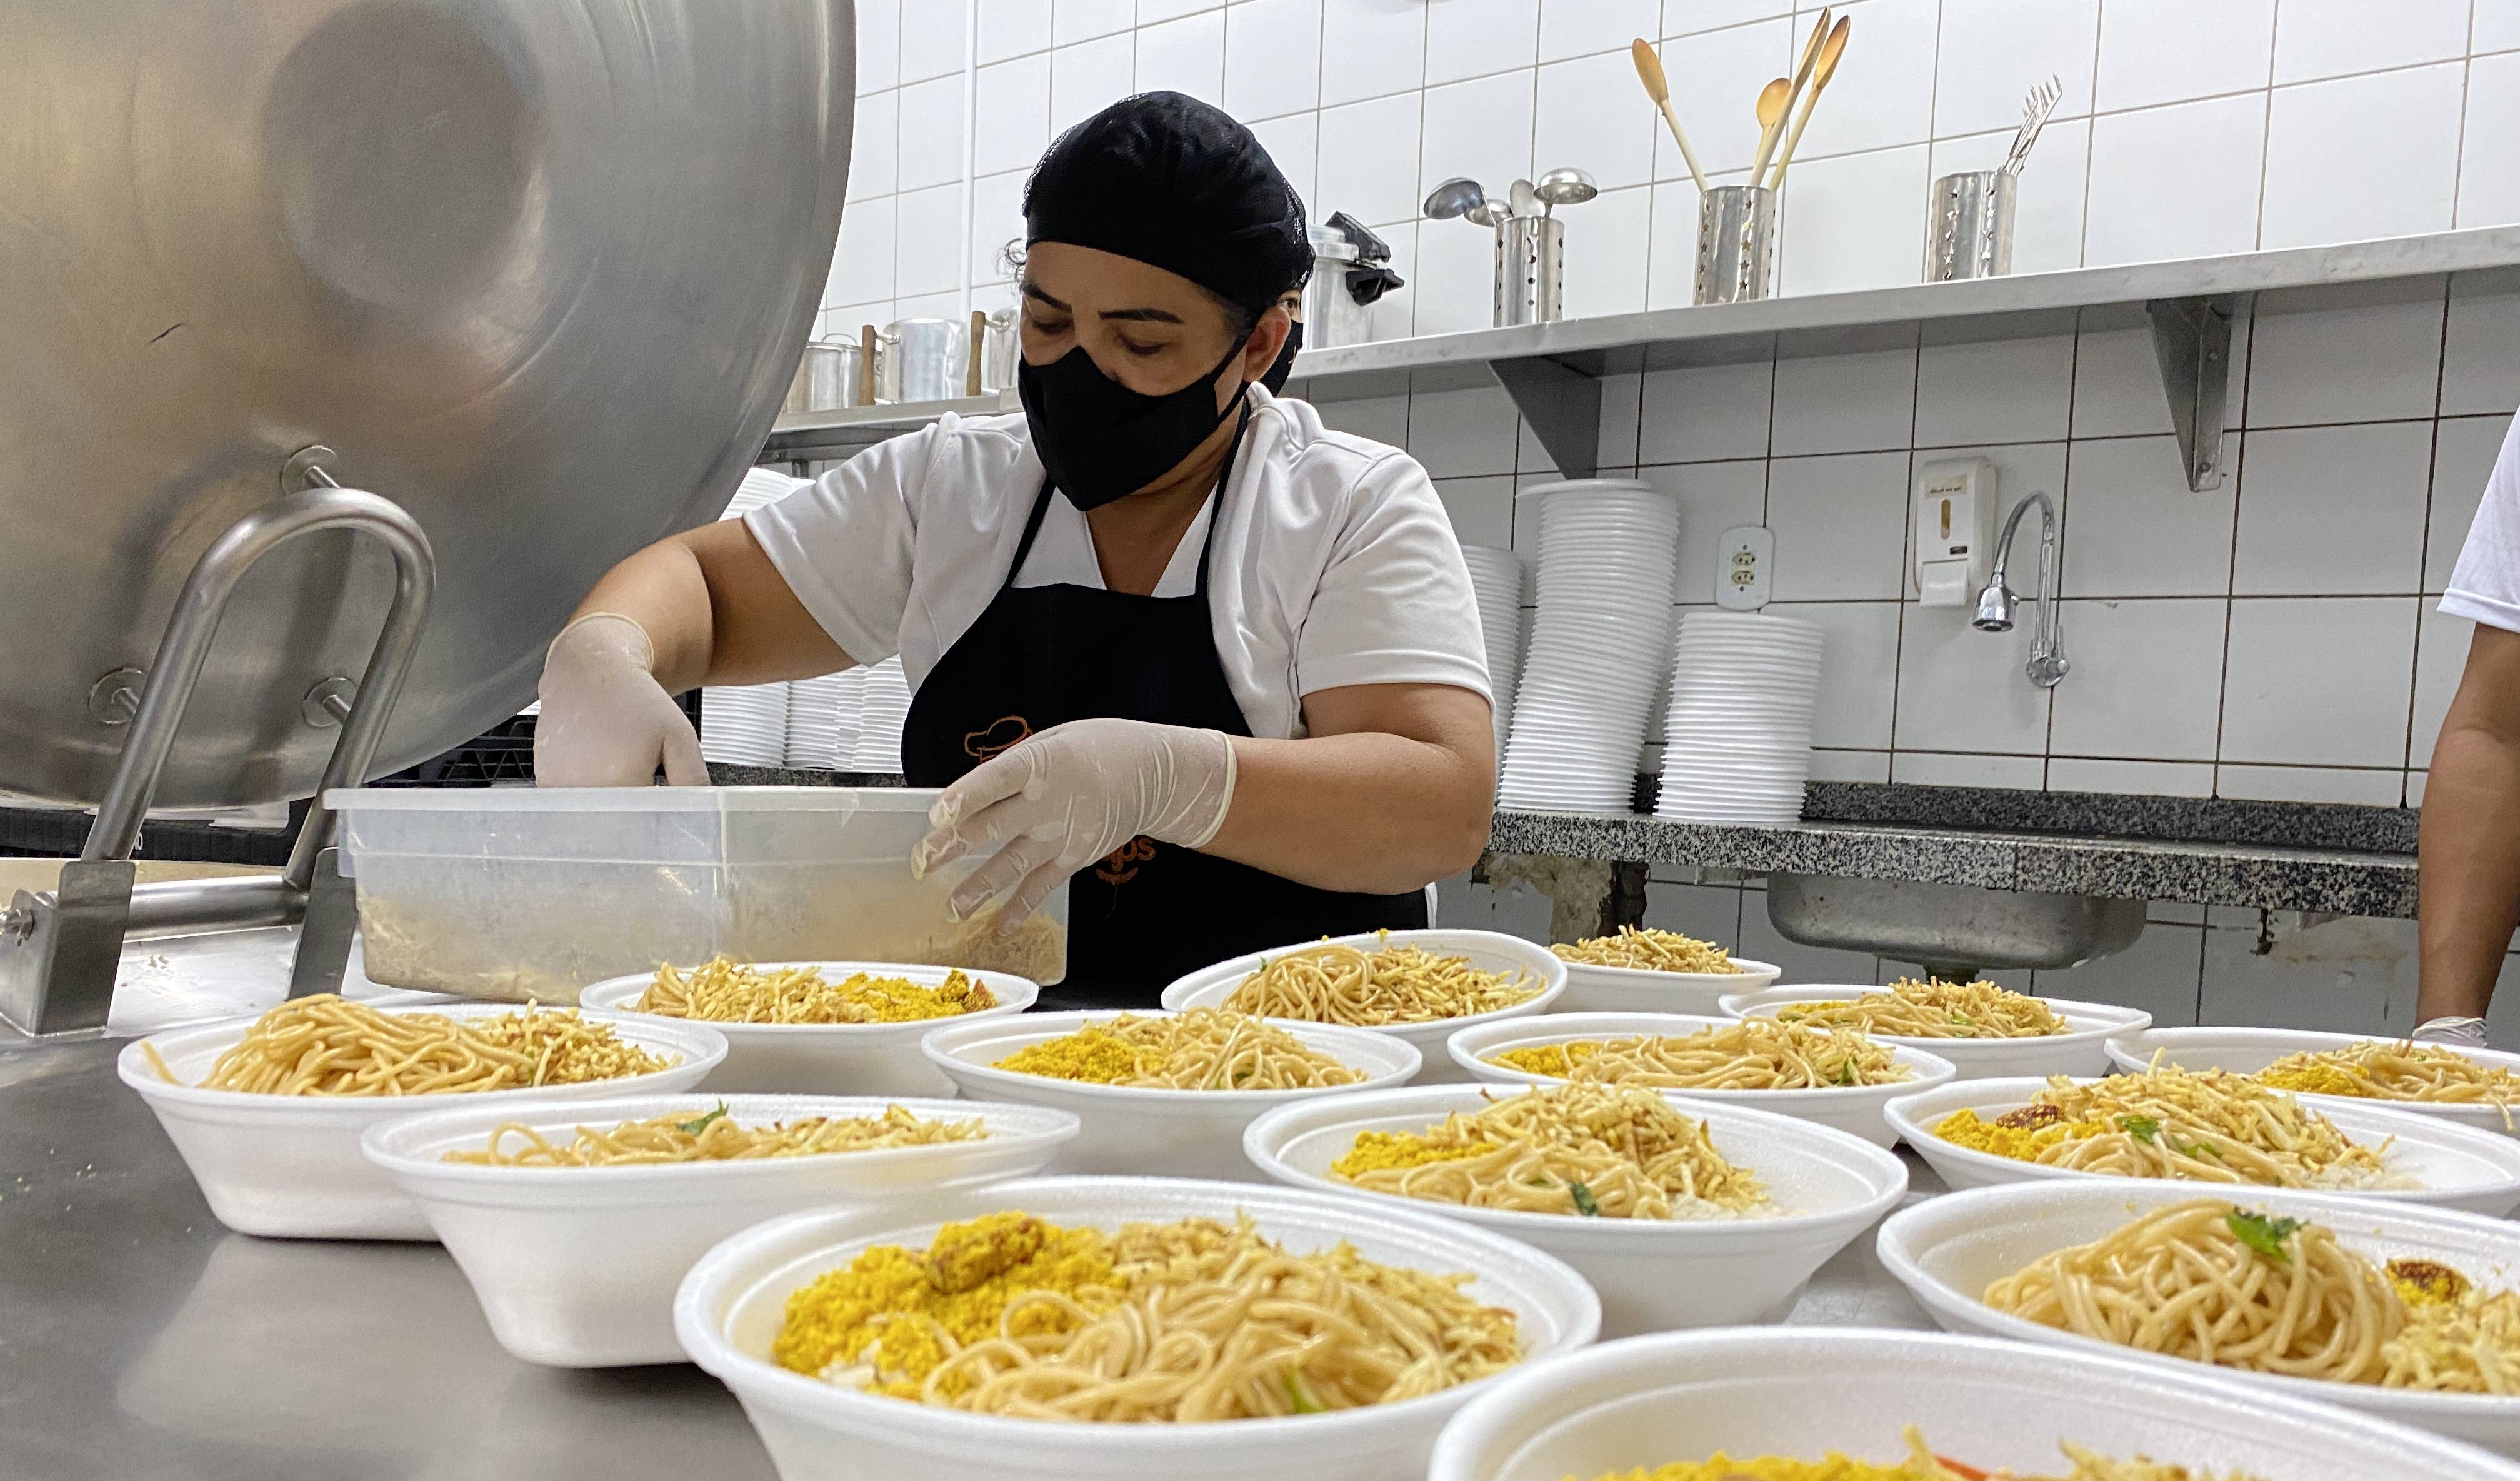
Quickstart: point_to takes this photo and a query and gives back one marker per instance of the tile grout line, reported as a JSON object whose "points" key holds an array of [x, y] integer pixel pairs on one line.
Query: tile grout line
{"points": [[2425, 546]]}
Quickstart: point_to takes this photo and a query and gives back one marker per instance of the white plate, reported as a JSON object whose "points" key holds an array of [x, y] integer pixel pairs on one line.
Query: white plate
{"points": [[1653, 1274], [291, 1165], [829, 1058], [1802, 1391], [1487, 951], [2081, 1052], [1594, 989], [1948, 1250], [576, 1267], [2248, 1050], [1136, 1130], [729, 1310], [2460, 1166], [1851, 1108]]}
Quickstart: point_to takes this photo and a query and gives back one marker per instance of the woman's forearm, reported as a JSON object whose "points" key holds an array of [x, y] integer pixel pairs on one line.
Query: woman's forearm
{"points": [[663, 590], [716, 610], [1371, 811], [2469, 872]]}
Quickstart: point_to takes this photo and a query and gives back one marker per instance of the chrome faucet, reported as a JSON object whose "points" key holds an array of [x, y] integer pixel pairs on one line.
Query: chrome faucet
{"points": [[1994, 605]]}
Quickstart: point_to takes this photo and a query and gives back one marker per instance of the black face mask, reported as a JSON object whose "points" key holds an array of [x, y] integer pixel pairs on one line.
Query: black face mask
{"points": [[1275, 377], [1101, 441]]}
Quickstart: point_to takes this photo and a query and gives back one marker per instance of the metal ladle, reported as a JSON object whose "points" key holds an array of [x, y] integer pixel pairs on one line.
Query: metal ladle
{"points": [[1461, 197], [1564, 185]]}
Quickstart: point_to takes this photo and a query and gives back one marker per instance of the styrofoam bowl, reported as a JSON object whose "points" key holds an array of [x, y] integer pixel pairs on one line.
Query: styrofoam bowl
{"points": [[291, 1165], [1133, 1130], [576, 1267], [728, 1312], [2083, 1052], [832, 1059], [1803, 1391], [1948, 1250], [2460, 1166], [1853, 1108], [1487, 951], [1652, 1274], [2247, 1050], [1594, 989]]}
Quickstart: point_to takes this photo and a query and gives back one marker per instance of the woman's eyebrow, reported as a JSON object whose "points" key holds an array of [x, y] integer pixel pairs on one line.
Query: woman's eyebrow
{"points": [[1143, 315]]}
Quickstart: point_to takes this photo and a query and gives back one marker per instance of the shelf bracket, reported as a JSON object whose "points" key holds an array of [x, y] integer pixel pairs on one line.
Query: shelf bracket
{"points": [[2191, 338], [1563, 407]]}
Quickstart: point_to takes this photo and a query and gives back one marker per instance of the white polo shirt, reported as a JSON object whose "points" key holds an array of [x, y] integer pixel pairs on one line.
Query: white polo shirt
{"points": [[1335, 563], [2485, 585]]}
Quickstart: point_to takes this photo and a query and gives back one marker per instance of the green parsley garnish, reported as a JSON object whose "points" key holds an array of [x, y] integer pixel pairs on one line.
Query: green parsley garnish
{"points": [[1846, 1071], [701, 1125], [2142, 1128], [1301, 1396], [1584, 1203], [2266, 1236]]}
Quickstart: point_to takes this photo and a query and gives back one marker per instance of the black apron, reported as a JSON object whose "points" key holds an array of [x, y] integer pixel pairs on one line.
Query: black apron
{"points": [[1043, 655]]}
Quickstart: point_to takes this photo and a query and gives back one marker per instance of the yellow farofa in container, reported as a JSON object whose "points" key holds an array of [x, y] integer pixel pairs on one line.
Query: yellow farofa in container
{"points": [[1649, 951], [724, 991], [713, 1136], [2213, 1283], [325, 1045], [1183, 1321], [1596, 1150], [1330, 983], [2208, 1126], [1200, 1049], [1921, 1464], [1935, 1009], [2399, 1070], [1755, 1053]]}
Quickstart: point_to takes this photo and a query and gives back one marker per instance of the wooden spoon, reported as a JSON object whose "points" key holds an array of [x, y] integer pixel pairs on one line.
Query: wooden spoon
{"points": [[1658, 87], [1802, 76], [1828, 55], [1771, 112]]}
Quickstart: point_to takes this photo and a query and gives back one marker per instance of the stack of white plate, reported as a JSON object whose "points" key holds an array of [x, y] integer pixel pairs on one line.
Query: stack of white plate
{"points": [[814, 724], [1496, 578], [1736, 742], [887, 705], [1600, 642], [744, 726]]}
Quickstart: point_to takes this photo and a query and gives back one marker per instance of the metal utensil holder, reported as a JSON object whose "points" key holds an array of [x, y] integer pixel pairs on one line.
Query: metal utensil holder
{"points": [[1971, 216], [1737, 244], [1530, 266]]}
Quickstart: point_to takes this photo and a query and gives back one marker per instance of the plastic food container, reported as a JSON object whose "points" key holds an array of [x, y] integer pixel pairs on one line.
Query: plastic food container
{"points": [[1948, 1250], [830, 1059], [2083, 1052], [729, 1306], [1633, 990], [291, 1164], [1803, 1391], [515, 893], [2460, 1166], [1854, 1108], [1653, 1274], [1487, 951], [2247, 1050], [1137, 1130], [576, 1266]]}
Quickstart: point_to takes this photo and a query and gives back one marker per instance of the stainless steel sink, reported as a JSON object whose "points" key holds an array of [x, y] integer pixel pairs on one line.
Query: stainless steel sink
{"points": [[1953, 931]]}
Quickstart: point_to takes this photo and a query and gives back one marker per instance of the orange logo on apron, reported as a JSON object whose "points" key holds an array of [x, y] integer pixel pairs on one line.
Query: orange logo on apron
{"points": [[1003, 733], [1120, 866]]}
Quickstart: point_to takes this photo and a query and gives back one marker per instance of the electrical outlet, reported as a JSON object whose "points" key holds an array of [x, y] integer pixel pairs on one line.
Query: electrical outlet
{"points": [[1743, 557]]}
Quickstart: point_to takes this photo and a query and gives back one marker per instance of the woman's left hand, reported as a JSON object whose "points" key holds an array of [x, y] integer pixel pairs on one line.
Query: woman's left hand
{"points": [[1051, 806]]}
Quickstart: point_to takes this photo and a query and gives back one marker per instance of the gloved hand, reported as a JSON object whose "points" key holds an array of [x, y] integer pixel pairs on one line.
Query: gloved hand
{"points": [[606, 721], [1048, 807], [2452, 1033]]}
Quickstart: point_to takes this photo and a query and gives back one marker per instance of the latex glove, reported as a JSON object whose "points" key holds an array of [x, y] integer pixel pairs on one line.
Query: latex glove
{"points": [[1051, 806], [606, 721], [2456, 1033]]}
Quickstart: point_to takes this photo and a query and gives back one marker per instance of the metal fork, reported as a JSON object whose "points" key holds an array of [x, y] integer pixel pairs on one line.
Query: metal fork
{"points": [[2036, 106]]}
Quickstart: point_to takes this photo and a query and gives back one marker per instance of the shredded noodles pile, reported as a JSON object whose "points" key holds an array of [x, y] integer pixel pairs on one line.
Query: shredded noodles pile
{"points": [[325, 1045], [2403, 1070], [723, 991], [1755, 1053], [1201, 1049], [1920, 1464], [1935, 1009], [715, 1136], [1650, 951], [1330, 983]]}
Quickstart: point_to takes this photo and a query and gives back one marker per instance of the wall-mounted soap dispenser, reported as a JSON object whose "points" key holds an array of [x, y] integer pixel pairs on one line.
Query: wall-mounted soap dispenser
{"points": [[1954, 535]]}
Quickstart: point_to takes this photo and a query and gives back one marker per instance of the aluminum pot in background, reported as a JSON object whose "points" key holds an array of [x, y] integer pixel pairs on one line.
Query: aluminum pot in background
{"points": [[1971, 219], [827, 379], [920, 360], [1001, 348]]}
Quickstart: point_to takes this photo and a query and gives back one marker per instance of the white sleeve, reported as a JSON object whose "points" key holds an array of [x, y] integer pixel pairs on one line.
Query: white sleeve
{"points": [[2484, 586], [1394, 606], [842, 543]]}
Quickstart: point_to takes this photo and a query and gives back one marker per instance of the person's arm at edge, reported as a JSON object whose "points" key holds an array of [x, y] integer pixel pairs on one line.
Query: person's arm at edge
{"points": [[2468, 855], [716, 612]]}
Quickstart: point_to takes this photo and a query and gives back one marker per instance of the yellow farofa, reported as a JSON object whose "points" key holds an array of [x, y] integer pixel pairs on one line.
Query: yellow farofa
{"points": [[715, 1136], [1598, 1151], [1921, 1464], [2207, 1126], [1755, 1053], [2399, 1070], [1190, 1320], [1330, 983], [1201, 1049], [1650, 951], [2289, 1298], [724, 991], [325, 1045], [1935, 1009]]}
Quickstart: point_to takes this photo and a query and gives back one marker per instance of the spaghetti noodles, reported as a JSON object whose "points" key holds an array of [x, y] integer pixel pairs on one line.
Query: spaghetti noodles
{"points": [[1330, 983], [1755, 1053], [1202, 1049], [1920, 1464], [1649, 951], [723, 991], [327, 1046], [1184, 1321], [715, 1136], [1935, 1009], [2397, 1071]]}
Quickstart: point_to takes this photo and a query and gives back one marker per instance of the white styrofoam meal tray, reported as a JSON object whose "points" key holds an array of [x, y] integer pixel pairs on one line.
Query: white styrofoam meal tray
{"points": [[2458, 1166], [576, 1267], [2083, 1052], [1652, 1274], [729, 1309], [291, 1165], [1594, 989], [1855, 1108], [1948, 1250], [832, 1059], [2247, 1050]]}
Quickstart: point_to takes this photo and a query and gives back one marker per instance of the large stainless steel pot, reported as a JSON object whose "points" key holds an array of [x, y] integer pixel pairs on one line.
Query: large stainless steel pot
{"points": [[537, 271]]}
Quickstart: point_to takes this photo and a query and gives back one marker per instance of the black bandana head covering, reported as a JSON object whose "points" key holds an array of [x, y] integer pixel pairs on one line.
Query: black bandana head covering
{"points": [[1176, 183]]}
